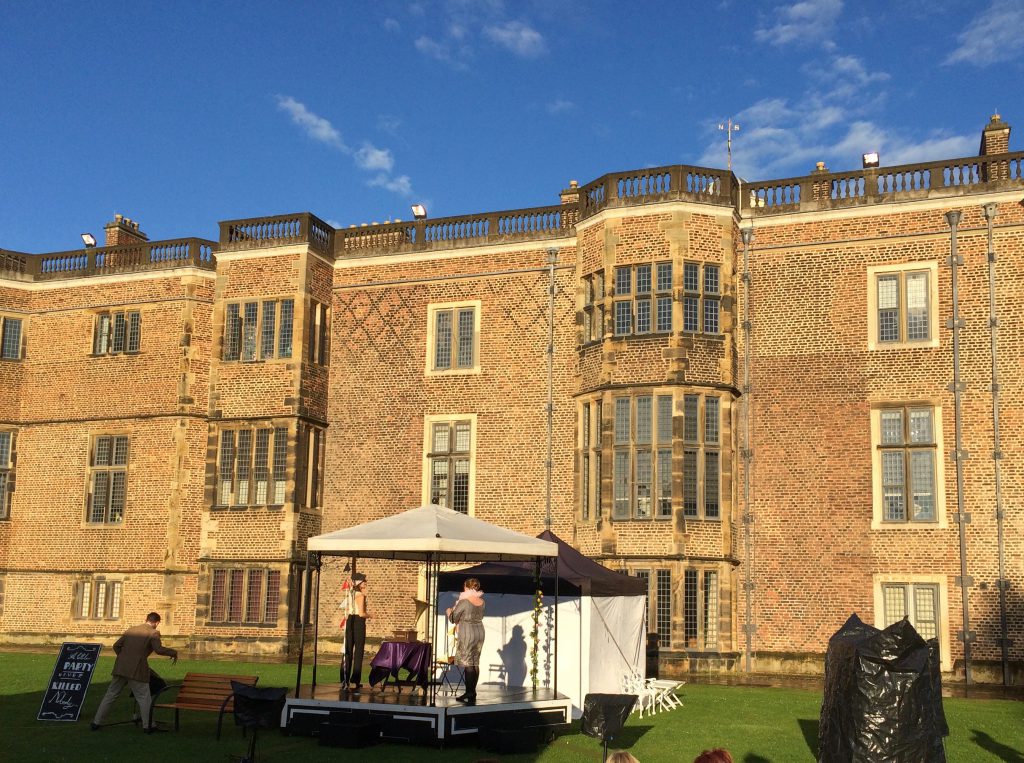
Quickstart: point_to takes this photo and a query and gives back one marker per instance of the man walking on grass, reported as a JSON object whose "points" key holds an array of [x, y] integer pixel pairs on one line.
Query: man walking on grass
{"points": [[131, 669]]}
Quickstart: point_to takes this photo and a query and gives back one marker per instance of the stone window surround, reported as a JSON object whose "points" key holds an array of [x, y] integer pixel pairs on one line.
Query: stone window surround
{"points": [[105, 332], [432, 310], [5, 329], [873, 272], [229, 353], [939, 580], [92, 469], [941, 520], [428, 427], [86, 592], [269, 615], [8, 461], [599, 466]]}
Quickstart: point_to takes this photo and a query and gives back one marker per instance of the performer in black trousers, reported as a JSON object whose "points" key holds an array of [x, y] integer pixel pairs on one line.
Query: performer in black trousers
{"points": [[355, 635]]}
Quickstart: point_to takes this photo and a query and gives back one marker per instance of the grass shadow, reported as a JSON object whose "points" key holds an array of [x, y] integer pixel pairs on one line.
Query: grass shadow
{"points": [[809, 728], [628, 737], [1000, 750]]}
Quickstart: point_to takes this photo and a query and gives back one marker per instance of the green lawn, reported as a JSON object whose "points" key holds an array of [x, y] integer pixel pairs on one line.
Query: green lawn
{"points": [[756, 724]]}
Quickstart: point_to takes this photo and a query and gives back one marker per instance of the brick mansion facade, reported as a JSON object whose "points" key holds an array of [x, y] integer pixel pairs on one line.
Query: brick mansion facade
{"points": [[779, 402]]}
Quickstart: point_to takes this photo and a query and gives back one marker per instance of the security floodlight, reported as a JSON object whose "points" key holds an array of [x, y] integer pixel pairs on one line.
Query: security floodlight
{"points": [[89, 239], [419, 211], [870, 159]]}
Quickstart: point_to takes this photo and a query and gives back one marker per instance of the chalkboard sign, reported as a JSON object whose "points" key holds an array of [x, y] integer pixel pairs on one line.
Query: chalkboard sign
{"points": [[70, 681]]}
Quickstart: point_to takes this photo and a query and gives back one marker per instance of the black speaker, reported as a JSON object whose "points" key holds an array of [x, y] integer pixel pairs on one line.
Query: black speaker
{"points": [[350, 734], [510, 741]]}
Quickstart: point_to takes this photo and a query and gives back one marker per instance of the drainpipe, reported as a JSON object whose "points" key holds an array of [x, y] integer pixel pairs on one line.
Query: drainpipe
{"points": [[552, 261], [1005, 642], [747, 455], [959, 455]]}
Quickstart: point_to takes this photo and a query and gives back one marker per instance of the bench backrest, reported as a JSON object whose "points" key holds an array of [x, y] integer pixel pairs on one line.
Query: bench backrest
{"points": [[209, 689]]}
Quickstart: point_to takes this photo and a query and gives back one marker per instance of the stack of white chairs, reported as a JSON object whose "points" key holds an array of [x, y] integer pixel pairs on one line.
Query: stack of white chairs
{"points": [[665, 693], [634, 683], [652, 694]]}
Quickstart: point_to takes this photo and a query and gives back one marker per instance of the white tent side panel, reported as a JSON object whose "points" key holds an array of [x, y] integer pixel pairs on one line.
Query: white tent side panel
{"points": [[617, 641], [600, 640]]}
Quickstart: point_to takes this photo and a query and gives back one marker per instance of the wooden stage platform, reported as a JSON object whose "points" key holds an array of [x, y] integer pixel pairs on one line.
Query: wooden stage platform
{"points": [[390, 715]]}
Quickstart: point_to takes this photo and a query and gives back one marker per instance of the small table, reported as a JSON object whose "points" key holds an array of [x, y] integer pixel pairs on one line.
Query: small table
{"points": [[414, 656]]}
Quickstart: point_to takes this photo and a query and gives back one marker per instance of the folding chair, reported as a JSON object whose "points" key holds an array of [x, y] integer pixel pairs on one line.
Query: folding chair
{"points": [[647, 695], [444, 678]]}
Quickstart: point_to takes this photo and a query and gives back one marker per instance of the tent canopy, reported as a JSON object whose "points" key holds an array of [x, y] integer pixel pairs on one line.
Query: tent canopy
{"points": [[432, 532], [588, 577]]}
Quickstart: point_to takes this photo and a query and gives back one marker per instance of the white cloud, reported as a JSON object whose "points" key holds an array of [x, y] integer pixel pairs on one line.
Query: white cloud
{"points": [[560, 106], [906, 152], [392, 25], [520, 38], [389, 123], [806, 22], [369, 157], [431, 47], [993, 35], [314, 126], [400, 185]]}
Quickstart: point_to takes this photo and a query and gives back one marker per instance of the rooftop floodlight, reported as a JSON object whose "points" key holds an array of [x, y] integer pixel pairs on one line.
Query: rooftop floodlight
{"points": [[89, 239], [419, 211], [870, 159]]}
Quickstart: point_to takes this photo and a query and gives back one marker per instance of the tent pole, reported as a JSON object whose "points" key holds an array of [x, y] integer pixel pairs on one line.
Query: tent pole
{"points": [[316, 622], [432, 627], [556, 627], [302, 627]]}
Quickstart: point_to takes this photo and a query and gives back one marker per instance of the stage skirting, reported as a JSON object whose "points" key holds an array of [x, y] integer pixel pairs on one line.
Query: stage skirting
{"points": [[406, 717]]}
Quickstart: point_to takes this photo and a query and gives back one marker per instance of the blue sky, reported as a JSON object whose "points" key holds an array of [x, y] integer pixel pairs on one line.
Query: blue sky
{"points": [[182, 114]]}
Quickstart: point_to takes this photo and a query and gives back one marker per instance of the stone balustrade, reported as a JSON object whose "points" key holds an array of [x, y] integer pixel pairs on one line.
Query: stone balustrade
{"points": [[107, 260], [819, 190], [451, 232], [279, 230]]}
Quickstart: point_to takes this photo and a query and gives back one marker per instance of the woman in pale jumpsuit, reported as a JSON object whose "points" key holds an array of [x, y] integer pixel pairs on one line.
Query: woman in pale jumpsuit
{"points": [[468, 616]]}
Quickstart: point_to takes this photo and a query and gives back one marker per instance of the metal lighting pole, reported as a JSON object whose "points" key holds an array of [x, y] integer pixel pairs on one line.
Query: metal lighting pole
{"points": [[552, 261], [747, 453], [959, 454]]}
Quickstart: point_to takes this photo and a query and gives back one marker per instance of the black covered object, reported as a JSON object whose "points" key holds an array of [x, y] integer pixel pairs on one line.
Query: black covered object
{"points": [[604, 715], [577, 575], [258, 708], [883, 696]]}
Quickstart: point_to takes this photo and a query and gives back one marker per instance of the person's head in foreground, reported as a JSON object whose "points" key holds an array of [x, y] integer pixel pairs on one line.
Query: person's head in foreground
{"points": [[717, 755], [621, 756]]}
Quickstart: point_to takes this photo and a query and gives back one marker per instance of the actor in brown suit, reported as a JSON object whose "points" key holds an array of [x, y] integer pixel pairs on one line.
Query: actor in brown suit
{"points": [[131, 668]]}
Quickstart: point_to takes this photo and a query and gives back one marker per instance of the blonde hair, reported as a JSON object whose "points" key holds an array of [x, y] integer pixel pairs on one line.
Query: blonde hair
{"points": [[621, 756], [472, 583]]}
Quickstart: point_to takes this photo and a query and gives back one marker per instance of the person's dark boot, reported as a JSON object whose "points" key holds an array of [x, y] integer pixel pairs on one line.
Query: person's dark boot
{"points": [[472, 676]]}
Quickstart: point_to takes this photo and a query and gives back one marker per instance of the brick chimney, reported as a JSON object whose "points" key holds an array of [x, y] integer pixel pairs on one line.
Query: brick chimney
{"points": [[124, 231], [995, 138]]}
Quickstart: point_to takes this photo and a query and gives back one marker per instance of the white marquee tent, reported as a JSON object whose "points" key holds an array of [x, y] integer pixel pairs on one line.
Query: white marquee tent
{"points": [[429, 534], [600, 615]]}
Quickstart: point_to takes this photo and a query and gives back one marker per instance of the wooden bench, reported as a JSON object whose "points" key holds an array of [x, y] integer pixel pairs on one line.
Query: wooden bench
{"points": [[201, 691]]}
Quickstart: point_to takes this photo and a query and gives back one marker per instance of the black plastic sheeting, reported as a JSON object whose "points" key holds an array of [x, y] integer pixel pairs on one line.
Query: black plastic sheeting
{"points": [[604, 715], [883, 697]]}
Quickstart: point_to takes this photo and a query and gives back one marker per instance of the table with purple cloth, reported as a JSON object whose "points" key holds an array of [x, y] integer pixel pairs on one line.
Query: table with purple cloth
{"points": [[414, 656]]}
